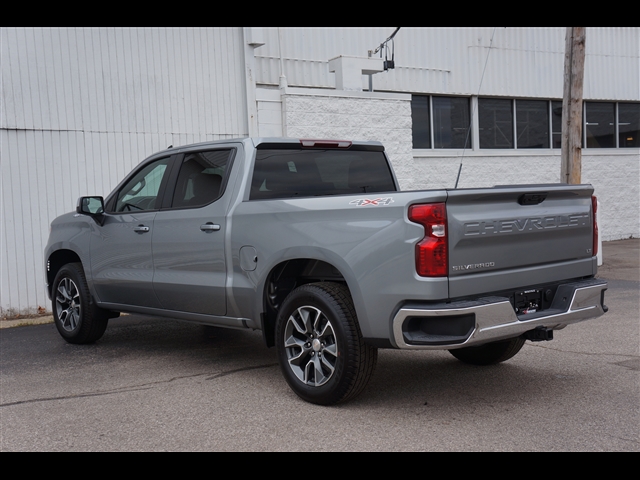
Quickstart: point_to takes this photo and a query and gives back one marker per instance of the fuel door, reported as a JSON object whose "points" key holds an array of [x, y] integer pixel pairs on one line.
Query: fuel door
{"points": [[248, 259]]}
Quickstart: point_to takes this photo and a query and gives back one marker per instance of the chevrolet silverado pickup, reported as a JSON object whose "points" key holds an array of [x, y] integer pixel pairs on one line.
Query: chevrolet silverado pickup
{"points": [[313, 243]]}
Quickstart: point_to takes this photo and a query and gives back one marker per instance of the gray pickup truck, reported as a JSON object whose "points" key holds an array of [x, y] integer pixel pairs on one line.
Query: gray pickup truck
{"points": [[312, 242]]}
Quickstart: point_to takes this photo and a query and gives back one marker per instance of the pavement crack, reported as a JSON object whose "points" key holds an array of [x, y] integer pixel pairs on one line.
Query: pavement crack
{"points": [[244, 369], [79, 395], [623, 439], [134, 388], [594, 354]]}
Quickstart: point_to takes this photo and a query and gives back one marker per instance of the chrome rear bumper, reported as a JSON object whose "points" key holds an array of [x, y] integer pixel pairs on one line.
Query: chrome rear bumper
{"points": [[490, 319]]}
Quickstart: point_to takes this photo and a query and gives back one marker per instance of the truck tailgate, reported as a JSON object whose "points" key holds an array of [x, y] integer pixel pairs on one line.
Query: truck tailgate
{"points": [[517, 236]]}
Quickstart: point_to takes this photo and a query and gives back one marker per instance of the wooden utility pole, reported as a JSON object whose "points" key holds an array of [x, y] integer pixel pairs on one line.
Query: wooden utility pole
{"points": [[571, 171]]}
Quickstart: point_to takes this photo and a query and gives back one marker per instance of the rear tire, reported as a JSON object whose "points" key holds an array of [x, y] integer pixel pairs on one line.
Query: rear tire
{"points": [[77, 318], [320, 348], [489, 353]]}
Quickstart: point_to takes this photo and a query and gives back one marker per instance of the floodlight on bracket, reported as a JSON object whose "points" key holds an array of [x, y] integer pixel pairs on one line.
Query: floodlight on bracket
{"points": [[388, 64]]}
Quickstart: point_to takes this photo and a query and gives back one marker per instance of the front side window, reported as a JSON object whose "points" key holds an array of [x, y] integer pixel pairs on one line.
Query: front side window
{"points": [[142, 191]]}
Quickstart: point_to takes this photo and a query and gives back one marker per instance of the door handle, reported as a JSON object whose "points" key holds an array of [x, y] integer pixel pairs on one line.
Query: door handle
{"points": [[141, 229], [209, 227]]}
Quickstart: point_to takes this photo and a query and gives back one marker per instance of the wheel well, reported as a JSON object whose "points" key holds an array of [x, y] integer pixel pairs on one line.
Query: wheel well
{"points": [[283, 279], [56, 261]]}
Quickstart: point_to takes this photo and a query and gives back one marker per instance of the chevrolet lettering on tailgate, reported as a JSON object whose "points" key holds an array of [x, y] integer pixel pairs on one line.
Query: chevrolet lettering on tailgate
{"points": [[526, 224]]}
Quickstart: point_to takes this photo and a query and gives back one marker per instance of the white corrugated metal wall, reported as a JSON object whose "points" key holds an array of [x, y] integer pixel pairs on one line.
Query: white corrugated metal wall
{"points": [[524, 62], [80, 107]]}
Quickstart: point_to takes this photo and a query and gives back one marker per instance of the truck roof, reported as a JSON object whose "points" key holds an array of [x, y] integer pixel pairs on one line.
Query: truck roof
{"points": [[281, 141]]}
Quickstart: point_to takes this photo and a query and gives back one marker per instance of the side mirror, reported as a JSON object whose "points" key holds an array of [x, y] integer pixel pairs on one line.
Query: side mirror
{"points": [[93, 206]]}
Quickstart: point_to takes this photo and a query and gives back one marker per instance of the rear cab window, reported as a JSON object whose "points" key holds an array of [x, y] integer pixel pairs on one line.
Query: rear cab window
{"points": [[288, 170]]}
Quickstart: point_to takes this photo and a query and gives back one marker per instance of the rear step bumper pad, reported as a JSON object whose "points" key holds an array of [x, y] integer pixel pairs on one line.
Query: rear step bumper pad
{"points": [[495, 318]]}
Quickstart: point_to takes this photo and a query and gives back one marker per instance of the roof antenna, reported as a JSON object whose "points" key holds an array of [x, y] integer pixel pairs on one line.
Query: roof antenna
{"points": [[459, 172], [474, 107]]}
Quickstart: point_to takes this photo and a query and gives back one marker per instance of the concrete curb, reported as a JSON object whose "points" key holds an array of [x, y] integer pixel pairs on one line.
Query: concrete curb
{"points": [[21, 322]]}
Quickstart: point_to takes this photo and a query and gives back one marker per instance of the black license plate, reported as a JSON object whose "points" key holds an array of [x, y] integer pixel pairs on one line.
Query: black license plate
{"points": [[528, 301]]}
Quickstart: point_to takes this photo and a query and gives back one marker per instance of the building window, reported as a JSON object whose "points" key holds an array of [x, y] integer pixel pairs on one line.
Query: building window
{"points": [[450, 127], [421, 121], [495, 121], [451, 122], [556, 124], [612, 125], [441, 122], [600, 124], [629, 125], [532, 123]]}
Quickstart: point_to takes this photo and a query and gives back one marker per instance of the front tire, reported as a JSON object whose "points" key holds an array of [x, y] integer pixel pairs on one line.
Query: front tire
{"points": [[489, 353], [320, 348], [77, 318]]}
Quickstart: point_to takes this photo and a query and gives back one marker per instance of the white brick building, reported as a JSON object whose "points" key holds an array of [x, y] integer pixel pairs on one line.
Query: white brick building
{"points": [[80, 107]]}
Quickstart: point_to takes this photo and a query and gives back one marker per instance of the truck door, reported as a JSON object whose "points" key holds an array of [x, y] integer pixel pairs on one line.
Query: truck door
{"points": [[121, 262], [188, 237]]}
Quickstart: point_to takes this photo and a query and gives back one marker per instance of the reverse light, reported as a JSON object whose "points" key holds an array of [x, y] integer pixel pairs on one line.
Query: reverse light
{"points": [[432, 251]]}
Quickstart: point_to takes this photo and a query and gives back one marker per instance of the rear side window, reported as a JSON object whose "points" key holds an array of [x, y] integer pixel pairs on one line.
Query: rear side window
{"points": [[201, 178], [287, 173]]}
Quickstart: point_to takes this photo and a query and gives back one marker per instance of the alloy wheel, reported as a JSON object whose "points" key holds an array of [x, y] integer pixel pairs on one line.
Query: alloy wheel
{"points": [[68, 305], [310, 344]]}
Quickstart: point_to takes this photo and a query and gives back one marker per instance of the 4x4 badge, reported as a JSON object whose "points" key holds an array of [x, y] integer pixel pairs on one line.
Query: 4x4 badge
{"points": [[378, 201]]}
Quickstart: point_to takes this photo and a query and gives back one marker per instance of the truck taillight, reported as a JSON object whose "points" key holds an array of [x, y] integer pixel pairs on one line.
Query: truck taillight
{"points": [[594, 208], [431, 251]]}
